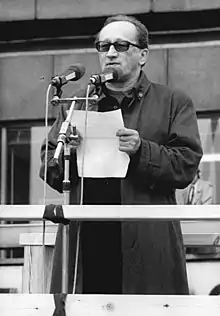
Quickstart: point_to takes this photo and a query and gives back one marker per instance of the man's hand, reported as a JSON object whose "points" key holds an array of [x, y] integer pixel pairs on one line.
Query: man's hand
{"points": [[129, 140]]}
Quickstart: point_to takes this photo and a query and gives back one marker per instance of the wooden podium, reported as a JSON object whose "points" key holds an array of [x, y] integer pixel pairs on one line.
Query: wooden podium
{"points": [[98, 305], [106, 305]]}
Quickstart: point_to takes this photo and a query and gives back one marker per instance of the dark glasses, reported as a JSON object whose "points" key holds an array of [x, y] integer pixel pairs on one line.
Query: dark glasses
{"points": [[119, 46]]}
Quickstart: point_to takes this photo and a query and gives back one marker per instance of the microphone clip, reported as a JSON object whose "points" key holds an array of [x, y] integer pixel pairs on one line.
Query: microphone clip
{"points": [[56, 96]]}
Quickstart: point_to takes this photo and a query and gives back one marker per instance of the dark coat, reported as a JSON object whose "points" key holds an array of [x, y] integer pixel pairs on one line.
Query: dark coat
{"points": [[153, 252]]}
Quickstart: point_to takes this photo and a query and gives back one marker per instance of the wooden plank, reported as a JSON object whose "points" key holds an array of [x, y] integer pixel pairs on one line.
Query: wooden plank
{"points": [[200, 227], [189, 239], [101, 305], [26, 305], [184, 5], [201, 239], [11, 261], [37, 239], [37, 269], [17, 10], [116, 212], [88, 8], [10, 233]]}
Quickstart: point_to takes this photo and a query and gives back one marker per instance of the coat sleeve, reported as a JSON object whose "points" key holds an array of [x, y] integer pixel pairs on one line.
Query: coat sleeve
{"points": [[55, 171], [172, 165]]}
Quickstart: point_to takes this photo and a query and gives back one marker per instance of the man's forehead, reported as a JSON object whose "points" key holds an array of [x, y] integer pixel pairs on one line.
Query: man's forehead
{"points": [[118, 30]]}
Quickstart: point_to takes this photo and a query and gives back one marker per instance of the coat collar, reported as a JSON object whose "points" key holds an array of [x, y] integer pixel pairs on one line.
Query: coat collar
{"points": [[138, 91]]}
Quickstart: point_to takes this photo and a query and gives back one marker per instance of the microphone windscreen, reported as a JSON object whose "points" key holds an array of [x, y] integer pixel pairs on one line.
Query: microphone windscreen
{"points": [[113, 72], [78, 69]]}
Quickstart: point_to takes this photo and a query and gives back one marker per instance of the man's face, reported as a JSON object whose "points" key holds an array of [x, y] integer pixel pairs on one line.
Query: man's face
{"points": [[130, 61]]}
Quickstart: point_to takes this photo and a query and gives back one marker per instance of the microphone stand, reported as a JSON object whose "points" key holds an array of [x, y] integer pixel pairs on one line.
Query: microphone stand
{"points": [[62, 141]]}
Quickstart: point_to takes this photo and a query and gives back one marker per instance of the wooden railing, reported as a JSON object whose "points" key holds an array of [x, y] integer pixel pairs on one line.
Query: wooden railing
{"points": [[116, 212], [30, 237], [41, 304]]}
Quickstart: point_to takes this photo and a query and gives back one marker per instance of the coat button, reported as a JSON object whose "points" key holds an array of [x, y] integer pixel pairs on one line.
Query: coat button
{"points": [[115, 107]]}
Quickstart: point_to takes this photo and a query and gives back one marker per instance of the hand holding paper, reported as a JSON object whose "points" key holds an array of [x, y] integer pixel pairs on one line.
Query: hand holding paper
{"points": [[129, 140]]}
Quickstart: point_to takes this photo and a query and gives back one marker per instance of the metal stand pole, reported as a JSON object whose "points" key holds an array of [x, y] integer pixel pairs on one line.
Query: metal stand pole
{"points": [[61, 141], [66, 191], [65, 245]]}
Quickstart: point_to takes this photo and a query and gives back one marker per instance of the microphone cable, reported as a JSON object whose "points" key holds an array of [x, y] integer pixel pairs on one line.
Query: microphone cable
{"points": [[81, 189], [45, 180], [46, 142]]}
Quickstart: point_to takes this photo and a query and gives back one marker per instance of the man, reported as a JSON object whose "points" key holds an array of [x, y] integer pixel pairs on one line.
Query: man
{"points": [[161, 137], [199, 192]]}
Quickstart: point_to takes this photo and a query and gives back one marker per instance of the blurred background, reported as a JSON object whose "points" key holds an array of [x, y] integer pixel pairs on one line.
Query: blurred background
{"points": [[42, 38]]}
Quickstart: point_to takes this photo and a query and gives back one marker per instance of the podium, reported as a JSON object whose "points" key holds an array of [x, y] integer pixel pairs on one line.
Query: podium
{"points": [[115, 305]]}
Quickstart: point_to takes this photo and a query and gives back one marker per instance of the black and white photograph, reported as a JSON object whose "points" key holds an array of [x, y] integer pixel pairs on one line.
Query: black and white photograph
{"points": [[109, 157]]}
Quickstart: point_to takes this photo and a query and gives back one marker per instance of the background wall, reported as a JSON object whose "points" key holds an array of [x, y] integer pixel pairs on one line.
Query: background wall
{"points": [[24, 79], [47, 9]]}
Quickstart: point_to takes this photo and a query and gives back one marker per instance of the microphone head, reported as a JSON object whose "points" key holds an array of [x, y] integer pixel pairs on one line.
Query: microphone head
{"points": [[108, 74], [77, 72], [73, 73], [112, 74]]}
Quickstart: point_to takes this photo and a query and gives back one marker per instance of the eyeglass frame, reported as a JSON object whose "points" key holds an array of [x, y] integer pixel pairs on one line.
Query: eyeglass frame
{"points": [[115, 43]]}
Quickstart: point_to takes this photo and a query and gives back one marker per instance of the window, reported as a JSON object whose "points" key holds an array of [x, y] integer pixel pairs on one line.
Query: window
{"points": [[15, 184], [18, 165]]}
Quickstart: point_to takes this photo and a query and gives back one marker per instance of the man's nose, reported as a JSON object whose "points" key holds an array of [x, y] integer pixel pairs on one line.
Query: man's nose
{"points": [[112, 51]]}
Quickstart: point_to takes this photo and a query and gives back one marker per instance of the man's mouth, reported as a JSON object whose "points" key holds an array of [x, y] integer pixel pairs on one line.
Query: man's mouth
{"points": [[112, 64]]}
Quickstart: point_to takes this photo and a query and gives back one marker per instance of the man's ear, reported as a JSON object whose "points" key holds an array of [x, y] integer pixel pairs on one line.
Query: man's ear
{"points": [[144, 56]]}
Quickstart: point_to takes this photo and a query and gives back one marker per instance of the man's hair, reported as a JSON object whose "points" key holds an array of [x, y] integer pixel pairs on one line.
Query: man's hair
{"points": [[142, 32]]}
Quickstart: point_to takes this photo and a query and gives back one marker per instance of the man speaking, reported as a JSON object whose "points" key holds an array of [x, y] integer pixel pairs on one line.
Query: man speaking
{"points": [[161, 138]]}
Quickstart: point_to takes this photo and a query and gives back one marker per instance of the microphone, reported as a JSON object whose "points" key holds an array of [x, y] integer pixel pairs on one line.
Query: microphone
{"points": [[73, 73], [109, 74]]}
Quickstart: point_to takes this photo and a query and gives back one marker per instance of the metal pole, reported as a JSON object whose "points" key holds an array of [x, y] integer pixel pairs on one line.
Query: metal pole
{"points": [[62, 141], [3, 165], [3, 176], [65, 245], [66, 192]]}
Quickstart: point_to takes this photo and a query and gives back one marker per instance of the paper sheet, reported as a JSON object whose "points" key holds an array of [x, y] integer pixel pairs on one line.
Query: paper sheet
{"points": [[102, 157]]}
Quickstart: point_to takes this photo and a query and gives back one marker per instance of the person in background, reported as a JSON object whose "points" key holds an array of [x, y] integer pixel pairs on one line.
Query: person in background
{"points": [[161, 137], [199, 192]]}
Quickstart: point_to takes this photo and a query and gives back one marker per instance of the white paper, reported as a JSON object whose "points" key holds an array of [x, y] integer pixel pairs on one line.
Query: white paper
{"points": [[102, 157]]}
